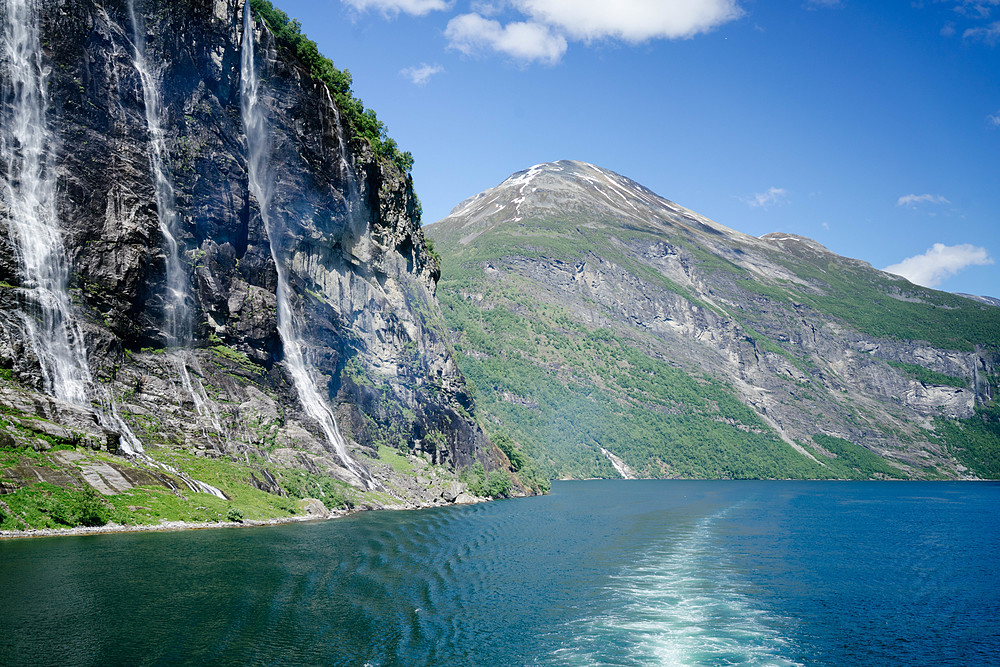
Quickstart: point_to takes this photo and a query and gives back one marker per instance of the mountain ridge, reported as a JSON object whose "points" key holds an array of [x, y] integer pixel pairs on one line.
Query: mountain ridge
{"points": [[817, 345]]}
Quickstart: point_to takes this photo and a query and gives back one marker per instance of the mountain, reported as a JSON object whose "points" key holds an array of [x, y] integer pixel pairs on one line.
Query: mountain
{"points": [[989, 300], [216, 296], [609, 329]]}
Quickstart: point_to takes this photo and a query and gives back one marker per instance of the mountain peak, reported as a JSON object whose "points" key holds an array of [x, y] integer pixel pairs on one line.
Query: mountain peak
{"points": [[570, 188], [600, 317]]}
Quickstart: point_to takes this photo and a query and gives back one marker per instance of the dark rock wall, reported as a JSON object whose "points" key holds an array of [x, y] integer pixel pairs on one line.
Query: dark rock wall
{"points": [[363, 279]]}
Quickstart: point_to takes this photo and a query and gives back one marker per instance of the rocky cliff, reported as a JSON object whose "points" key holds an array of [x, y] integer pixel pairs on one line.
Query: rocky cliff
{"points": [[136, 137], [683, 347]]}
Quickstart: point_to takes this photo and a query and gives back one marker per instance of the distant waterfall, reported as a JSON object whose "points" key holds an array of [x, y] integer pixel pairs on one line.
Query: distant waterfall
{"points": [[177, 312], [26, 149], [262, 188]]}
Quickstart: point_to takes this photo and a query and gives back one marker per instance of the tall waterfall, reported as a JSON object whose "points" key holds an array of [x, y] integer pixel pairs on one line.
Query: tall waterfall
{"points": [[177, 312], [262, 187], [26, 149], [176, 309]]}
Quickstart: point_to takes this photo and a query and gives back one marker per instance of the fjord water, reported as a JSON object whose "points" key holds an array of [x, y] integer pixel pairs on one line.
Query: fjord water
{"points": [[597, 573]]}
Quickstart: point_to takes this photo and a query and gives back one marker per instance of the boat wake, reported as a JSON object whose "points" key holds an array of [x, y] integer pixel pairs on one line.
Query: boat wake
{"points": [[682, 603]]}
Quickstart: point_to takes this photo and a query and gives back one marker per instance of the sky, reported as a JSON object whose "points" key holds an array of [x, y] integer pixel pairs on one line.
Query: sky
{"points": [[871, 127]]}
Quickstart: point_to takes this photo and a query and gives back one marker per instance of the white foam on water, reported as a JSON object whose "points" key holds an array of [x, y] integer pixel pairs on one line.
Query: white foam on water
{"points": [[682, 603]]}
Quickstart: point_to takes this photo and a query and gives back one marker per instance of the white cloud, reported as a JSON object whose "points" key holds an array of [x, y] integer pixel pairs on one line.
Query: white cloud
{"points": [[989, 34], [939, 263], [525, 41], [394, 7], [994, 119], [913, 200], [826, 225], [772, 197], [487, 7], [422, 74], [631, 20]]}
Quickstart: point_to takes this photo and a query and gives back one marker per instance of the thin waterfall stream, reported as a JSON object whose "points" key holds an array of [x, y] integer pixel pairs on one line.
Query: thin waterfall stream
{"points": [[177, 312], [262, 181], [176, 308]]}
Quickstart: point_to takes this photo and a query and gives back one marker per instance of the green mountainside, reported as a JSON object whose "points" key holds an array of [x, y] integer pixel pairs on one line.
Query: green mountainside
{"points": [[598, 320]]}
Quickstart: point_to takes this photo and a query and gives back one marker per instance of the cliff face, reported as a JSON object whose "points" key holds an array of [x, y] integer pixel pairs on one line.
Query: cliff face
{"points": [[362, 282], [589, 269]]}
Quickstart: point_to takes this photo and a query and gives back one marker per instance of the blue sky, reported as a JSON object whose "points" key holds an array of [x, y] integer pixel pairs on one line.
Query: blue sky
{"points": [[873, 128]]}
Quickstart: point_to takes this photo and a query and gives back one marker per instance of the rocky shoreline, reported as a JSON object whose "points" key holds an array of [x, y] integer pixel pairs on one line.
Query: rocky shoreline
{"points": [[315, 513], [163, 526]]}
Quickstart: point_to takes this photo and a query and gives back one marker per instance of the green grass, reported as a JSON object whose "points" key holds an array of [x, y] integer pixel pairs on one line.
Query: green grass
{"points": [[44, 505], [927, 376], [236, 357], [396, 461], [973, 441], [854, 461]]}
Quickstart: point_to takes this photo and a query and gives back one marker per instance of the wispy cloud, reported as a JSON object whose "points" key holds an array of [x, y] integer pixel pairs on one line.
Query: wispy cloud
{"points": [[522, 40], [939, 263], [912, 201], [989, 33], [394, 7], [772, 197], [978, 17], [422, 74]]}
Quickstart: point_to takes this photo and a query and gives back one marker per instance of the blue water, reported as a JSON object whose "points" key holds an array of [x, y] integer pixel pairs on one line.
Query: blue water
{"points": [[597, 573]]}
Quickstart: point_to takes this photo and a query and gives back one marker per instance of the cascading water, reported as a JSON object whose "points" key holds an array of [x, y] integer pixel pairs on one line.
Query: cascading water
{"points": [[26, 148], [262, 188], [176, 308], [177, 312]]}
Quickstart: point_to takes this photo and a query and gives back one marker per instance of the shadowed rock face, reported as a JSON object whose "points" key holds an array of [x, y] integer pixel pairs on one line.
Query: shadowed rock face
{"points": [[362, 277], [814, 343]]}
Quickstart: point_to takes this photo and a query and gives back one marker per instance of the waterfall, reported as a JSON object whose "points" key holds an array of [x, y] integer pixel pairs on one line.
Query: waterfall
{"points": [[28, 152], [26, 149], [196, 390], [262, 188], [177, 309], [177, 313]]}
